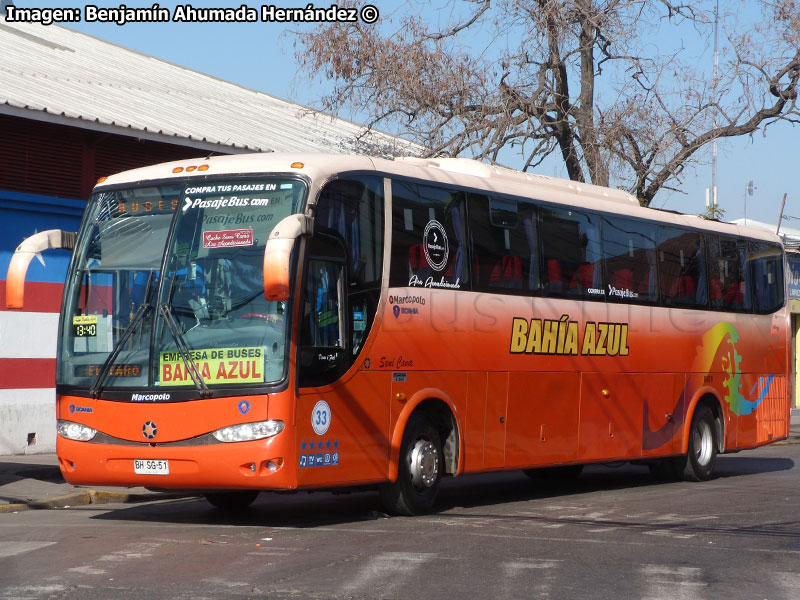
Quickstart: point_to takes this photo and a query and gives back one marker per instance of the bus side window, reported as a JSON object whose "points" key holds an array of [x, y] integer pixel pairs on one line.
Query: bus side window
{"points": [[681, 267], [351, 210], [504, 245], [323, 329], [429, 245], [629, 253], [343, 277], [726, 280], [324, 302], [764, 276], [571, 253]]}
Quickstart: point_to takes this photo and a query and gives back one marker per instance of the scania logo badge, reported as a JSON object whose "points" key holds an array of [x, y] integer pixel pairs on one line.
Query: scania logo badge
{"points": [[149, 430]]}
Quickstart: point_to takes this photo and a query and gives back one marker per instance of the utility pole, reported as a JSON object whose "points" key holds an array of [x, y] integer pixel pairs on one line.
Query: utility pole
{"points": [[716, 74], [748, 190], [780, 218]]}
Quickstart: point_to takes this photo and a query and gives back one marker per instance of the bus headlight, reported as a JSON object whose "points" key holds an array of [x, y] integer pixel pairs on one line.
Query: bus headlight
{"points": [[75, 431], [247, 432]]}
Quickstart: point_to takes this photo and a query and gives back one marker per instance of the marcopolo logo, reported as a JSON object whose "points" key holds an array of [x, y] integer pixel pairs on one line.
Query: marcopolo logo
{"points": [[407, 300], [405, 310], [149, 397]]}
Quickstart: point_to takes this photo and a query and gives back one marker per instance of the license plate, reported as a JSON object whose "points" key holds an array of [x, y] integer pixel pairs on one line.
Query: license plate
{"points": [[150, 467]]}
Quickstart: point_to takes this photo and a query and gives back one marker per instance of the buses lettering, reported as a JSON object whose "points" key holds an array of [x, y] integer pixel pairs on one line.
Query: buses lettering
{"points": [[560, 337]]}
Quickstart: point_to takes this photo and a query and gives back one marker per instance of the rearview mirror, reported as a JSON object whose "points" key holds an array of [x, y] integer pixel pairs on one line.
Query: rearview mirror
{"points": [[278, 254], [30, 247]]}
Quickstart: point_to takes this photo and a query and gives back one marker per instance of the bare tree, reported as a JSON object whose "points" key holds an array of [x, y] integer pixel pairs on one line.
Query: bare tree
{"points": [[622, 90]]}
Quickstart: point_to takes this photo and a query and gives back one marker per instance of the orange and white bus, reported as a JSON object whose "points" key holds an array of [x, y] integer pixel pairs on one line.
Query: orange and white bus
{"points": [[277, 322]]}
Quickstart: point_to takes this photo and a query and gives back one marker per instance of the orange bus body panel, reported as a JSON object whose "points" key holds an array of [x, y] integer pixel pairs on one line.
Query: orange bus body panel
{"points": [[358, 431], [515, 405], [555, 401], [192, 466], [529, 380], [543, 414]]}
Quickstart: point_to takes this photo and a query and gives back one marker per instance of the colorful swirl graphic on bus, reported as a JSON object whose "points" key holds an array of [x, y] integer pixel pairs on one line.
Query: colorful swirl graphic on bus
{"points": [[721, 341], [717, 352]]}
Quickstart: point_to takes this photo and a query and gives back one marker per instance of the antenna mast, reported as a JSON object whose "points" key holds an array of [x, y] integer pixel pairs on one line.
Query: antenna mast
{"points": [[716, 75]]}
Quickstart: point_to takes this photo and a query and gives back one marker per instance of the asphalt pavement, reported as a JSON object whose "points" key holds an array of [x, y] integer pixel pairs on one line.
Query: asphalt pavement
{"points": [[34, 482]]}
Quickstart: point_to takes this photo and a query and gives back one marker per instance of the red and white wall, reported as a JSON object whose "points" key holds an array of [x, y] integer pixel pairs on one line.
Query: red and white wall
{"points": [[27, 374], [45, 168], [28, 336]]}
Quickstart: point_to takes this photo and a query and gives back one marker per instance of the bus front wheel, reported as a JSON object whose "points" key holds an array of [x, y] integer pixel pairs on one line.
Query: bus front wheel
{"points": [[698, 463], [420, 470]]}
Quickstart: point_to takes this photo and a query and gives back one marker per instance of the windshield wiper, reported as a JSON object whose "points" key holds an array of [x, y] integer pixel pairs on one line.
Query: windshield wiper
{"points": [[137, 318], [106, 368], [183, 350]]}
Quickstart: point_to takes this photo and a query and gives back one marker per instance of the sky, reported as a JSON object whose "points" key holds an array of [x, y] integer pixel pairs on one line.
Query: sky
{"points": [[261, 56]]}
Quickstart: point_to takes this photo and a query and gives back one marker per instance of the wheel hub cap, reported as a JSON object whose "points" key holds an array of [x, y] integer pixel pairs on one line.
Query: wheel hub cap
{"points": [[703, 442], [424, 464]]}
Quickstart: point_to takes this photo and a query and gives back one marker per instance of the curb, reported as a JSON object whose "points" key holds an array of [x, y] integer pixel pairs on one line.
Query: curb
{"points": [[81, 498], [86, 497], [7, 508]]}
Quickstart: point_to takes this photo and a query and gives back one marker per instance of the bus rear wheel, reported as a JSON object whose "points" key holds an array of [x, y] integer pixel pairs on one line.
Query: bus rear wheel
{"points": [[698, 463], [234, 500], [419, 473]]}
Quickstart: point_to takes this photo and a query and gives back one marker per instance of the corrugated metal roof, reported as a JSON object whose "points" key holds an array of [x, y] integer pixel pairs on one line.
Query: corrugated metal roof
{"points": [[54, 73], [789, 235]]}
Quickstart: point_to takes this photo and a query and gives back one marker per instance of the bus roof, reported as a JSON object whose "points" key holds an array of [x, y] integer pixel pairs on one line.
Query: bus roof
{"points": [[461, 172]]}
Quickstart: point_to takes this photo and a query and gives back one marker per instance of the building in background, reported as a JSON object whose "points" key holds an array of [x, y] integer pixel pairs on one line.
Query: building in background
{"points": [[74, 108]]}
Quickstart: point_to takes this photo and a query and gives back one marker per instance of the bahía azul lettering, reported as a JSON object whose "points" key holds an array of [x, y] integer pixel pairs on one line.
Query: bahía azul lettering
{"points": [[563, 337], [223, 365]]}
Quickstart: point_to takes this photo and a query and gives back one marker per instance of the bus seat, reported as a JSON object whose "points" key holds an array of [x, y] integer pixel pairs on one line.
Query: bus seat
{"points": [[416, 256], [584, 278], [686, 287], [644, 284], [623, 279], [554, 280], [735, 294], [715, 291], [507, 273], [416, 260]]}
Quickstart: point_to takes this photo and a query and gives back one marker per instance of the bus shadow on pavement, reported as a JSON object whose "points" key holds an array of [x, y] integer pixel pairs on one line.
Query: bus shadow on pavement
{"points": [[298, 510], [738, 466], [302, 510], [477, 490]]}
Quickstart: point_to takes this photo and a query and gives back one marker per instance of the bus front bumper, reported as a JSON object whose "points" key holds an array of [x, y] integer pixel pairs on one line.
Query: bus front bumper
{"points": [[261, 464]]}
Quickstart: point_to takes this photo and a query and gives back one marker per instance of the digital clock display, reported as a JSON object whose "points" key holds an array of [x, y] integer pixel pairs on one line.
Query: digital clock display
{"points": [[84, 326], [84, 330]]}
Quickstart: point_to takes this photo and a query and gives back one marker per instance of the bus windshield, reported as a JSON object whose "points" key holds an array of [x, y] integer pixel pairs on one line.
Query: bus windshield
{"points": [[196, 318]]}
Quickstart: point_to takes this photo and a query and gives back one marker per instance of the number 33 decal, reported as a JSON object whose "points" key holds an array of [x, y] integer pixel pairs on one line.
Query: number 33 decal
{"points": [[321, 417]]}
